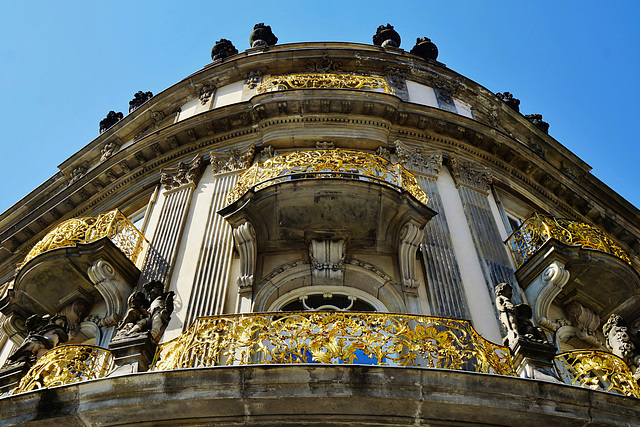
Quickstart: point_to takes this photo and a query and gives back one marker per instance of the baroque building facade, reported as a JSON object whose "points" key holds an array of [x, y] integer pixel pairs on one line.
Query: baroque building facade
{"points": [[321, 233]]}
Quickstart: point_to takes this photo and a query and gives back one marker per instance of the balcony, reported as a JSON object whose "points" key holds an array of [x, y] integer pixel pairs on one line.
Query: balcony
{"points": [[324, 81], [334, 338]]}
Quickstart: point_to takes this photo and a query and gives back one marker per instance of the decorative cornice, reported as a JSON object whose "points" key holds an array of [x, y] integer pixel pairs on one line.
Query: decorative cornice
{"points": [[423, 161], [184, 174], [232, 160], [469, 174]]}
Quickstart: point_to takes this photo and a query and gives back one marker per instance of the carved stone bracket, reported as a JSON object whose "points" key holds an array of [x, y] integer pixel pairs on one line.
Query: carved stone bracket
{"points": [[327, 261], [426, 162], [544, 290], [109, 149], [186, 173], [232, 160], [410, 237], [77, 173], [244, 237], [113, 289], [469, 174]]}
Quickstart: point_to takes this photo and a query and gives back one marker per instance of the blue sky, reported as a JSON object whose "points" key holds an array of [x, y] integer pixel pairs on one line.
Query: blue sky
{"points": [[65, 64]]}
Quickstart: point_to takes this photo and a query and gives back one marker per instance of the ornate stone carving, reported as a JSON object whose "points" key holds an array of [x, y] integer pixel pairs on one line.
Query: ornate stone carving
{"points": [[325, 145], [384, 153], [444, 97], [232, 160], [619, 342], [267, 153], [425, 49], [223, 49], [108, 150], [396, 77], [508, 99], [327, 261], [157, 117], [44, 333], [252, 80], [583, 324], [516, 319], [536, 119], [545, 290], [206, 93], [76, 174], [323, 65], [386, 36], [147, 315], [244, 237], [469, 174], [111, 119], [112, 289], [427, 162], [139, 99], [185, 173], [435, 80], [410, 237], [262, 36]]}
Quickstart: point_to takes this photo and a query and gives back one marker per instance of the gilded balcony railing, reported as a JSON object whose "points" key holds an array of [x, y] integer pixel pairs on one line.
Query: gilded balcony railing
{"points": [[537, 229], [324, 81], [113, 225], [67, 364], [597, 370], [334, 338], [335, 163]]}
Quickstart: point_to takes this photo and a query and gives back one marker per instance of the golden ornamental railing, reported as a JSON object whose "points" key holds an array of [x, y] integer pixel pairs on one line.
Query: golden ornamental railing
{"points": [[67, 364], [537, 229], [334, 338], [597, 370], [335, 163], [113, 225], [324, 81]]}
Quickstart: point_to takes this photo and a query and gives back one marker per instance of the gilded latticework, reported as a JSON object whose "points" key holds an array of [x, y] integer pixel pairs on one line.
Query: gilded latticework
{"points": [[597, 370], [345, 164], [324, 81], [334, 338], [536, 230], [67, 364], [113, 225]]}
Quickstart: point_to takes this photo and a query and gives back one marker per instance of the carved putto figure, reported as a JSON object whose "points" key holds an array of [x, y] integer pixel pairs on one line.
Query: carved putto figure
{"points": [[45, 333], [516, 319], [619, 342], [147, 315]]}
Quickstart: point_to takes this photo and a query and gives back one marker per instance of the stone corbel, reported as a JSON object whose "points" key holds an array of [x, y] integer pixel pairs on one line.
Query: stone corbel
{"points": [[410, 237], [113, 289], [327, 261], [246, 244], [544, 290], [14, 327]]}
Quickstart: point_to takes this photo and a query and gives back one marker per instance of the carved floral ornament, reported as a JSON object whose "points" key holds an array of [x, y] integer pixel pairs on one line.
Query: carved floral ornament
{"points": [[424, 161], [186, 173], [232, 160], [469, 174]]}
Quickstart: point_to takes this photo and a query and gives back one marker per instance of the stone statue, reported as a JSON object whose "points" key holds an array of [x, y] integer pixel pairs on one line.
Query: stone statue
{"points": [[619, 342], [262, 36], [223, 49], [147, 315], [516, 319], [45, 333], [386, 36], [111, 119]]}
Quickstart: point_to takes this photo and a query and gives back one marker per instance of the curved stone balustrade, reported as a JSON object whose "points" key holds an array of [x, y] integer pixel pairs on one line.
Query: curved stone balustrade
{"points": [[537, 229], [324, 81], [334, 338], [67, 364], [597, 370], [334, 163], [113, 225]]}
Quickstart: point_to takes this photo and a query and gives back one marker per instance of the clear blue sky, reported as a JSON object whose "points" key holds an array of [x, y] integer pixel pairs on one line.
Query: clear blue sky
{"points": [[65, 64]]}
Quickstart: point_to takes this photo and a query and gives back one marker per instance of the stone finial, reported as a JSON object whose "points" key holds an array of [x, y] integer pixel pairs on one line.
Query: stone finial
{"points": [[111, 119], [509, 100], [138, 99], [223, 49], [386, 36], [262, 36], [536, 119], [425, 49]]}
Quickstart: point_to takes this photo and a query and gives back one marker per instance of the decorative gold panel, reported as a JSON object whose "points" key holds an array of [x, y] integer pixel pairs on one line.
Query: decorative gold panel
{"points": [[113, 225], [324, 81], [536, 230], [334, 338], [345, 164], [67, 364], [597, 370]]}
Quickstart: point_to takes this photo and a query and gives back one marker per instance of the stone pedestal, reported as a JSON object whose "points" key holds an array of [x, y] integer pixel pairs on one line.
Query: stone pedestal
{"points": [[10, 376], [533, 359], [133, 354]]}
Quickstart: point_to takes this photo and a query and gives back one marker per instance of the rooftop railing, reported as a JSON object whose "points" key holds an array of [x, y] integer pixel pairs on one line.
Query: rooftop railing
{"points": [[597, 370], [324, 81], [537, 229], [334, 163], [334, 338], [67, 364], [113, 225]]}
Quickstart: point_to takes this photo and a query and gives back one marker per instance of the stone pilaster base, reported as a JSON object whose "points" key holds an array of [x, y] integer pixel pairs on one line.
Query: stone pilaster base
{"points": [[132, 354], [10, 375], [533, 359]]}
